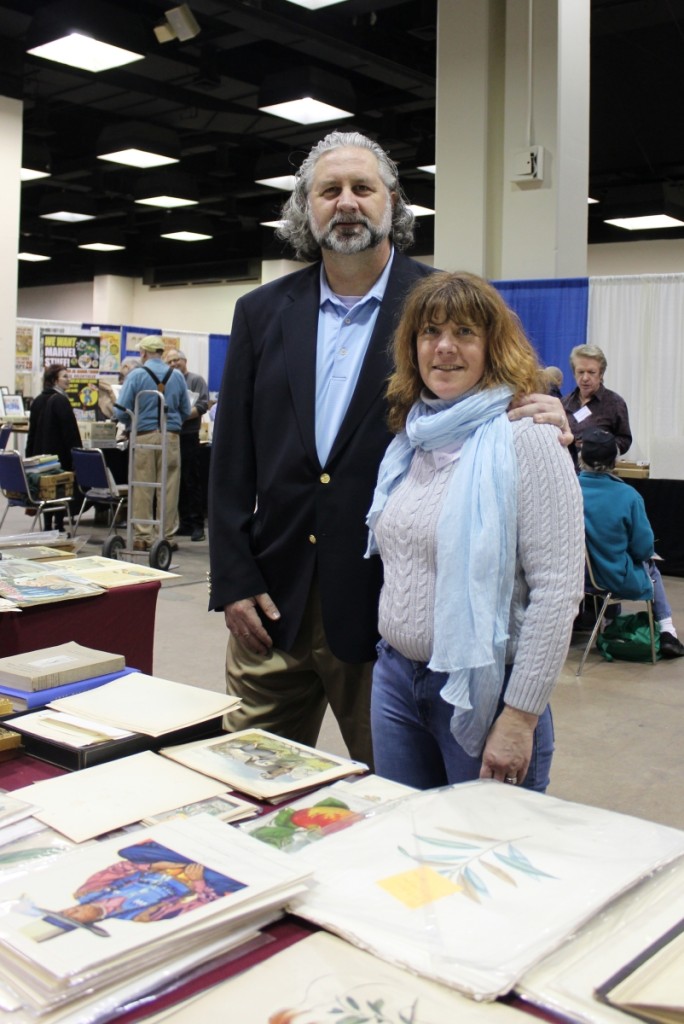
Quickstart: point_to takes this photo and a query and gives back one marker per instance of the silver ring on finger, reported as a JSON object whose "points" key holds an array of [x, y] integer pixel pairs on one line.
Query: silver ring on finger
{"points": [[512, 780]]}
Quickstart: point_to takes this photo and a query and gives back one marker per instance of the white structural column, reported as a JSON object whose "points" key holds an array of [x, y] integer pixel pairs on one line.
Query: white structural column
{"points": [[11, 112], [113, 299], [512, 79]]}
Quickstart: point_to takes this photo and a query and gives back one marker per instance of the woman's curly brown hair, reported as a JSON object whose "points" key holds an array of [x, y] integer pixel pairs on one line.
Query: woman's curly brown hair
{"points": [[464, 299]]}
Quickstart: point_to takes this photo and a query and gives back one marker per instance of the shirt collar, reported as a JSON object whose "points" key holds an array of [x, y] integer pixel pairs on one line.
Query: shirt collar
{"points": [[376, 292]]}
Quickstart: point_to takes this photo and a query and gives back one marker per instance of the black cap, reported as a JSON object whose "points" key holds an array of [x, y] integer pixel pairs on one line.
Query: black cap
{"points": [[599, 447]]}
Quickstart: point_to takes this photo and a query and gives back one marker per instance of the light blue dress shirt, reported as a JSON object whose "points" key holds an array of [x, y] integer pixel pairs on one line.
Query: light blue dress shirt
{"points": [[343, 336]]}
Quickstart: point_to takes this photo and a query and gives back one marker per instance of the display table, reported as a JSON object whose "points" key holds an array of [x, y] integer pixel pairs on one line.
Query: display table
{"points": [[120, 620]]}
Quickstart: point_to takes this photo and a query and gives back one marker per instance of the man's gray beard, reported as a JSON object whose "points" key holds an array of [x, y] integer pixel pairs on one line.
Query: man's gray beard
{"points": [[368, 238]]}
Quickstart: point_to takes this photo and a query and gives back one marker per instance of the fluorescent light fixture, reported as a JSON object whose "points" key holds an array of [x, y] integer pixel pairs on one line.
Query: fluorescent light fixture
{"points": [[421, 211], [657, 220], [35, 160], [29, 174], [167, 202], [316, 5], [167, 190], [102, 246], [94, 36], [67, 216], [138, 145], [137, 158], [306, 95], [273, 223], [590, 200], [305, 110], [284, 182], [429, 168], [32, 257], [83, 52], [187, 226], [186, 236]]}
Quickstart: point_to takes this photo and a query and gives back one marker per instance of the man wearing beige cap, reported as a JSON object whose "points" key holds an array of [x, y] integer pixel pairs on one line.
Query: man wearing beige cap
{"points": [[153, 375]]}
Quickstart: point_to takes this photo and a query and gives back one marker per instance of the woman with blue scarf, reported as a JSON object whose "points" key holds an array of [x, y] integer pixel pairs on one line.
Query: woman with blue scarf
{"points": [[479, 525]]}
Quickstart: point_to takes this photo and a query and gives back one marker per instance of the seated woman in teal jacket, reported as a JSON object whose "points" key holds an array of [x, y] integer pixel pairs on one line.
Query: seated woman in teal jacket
{"points": [[619, 536]]}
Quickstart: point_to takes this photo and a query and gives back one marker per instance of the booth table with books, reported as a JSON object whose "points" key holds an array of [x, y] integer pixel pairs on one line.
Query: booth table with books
{"points": [[125, 615]]}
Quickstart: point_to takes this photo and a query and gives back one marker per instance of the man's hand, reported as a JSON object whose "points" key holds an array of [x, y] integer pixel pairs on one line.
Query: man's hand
{"points": [[543, 409], [508, 748], [242, 619]]}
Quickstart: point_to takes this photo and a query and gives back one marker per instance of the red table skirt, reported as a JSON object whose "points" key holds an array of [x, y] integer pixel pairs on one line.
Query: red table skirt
{"points": [[120, 620]]}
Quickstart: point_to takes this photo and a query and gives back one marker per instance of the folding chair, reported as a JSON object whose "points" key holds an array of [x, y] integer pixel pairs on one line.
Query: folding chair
{"points": [[15, 488], [5, 432], [597, 593], [96, 485]]}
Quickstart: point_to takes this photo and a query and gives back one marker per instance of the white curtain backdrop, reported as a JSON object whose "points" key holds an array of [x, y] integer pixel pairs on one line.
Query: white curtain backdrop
{"points": [[639, 324]]}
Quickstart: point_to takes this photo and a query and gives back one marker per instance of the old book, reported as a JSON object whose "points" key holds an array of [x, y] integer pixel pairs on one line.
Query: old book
{"points": [[55, 666], [31, 700]]}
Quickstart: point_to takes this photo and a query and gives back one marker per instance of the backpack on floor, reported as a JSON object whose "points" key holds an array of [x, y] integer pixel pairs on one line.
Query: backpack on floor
{"points": [[628, 638]]}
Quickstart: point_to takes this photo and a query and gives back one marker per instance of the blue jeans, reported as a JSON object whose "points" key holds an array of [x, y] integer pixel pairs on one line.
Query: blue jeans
{"points": [[412, 742]]}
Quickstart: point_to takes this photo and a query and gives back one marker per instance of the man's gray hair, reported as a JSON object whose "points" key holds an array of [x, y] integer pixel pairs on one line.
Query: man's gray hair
{"points": [[589, 352], [131, 361], [295, 212]]}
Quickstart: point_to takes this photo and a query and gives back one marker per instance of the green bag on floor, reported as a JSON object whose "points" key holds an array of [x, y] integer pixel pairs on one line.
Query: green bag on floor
{"points": [[628, 638]]}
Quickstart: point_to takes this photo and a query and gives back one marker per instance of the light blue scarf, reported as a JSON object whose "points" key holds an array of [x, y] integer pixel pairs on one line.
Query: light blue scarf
{"points": [[476, 545]]}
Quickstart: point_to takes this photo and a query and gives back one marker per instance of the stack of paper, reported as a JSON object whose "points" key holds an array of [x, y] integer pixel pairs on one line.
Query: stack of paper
{"points": [[471, 885], [27, 583], [263, 765], [322, 979], [119, 918], [566, 983], [111, 572]]}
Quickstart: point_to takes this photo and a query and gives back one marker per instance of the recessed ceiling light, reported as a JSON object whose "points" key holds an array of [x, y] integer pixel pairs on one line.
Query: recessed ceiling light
{"points": [[284, 182], [273, 223], [590, 200], [33, 257], [657, 220], [186, 236], [306, 110], [137, 158], [166, 202], [29, 174], [67, 216], [430, 168], [79, 51], [421, 211], [315, 5], [102, 246]]}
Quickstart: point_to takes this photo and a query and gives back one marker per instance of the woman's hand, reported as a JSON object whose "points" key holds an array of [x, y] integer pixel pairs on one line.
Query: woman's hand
{"points": [[508, 749], [543, 409]]}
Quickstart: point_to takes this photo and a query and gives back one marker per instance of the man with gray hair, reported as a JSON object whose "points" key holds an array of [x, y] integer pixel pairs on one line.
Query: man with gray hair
{"points": [[591, 404], [298, 438]]}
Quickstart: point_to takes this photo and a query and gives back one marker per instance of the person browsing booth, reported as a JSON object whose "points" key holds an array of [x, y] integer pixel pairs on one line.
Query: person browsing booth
{"points": [[153, 375], [619, 537]]}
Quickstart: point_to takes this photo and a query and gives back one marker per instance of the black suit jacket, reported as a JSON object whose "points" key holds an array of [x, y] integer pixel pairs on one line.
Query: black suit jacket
{"points": [[275, 514]]}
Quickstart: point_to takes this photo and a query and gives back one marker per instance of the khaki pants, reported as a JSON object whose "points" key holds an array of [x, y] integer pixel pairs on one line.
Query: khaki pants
{"points": [[287, 692], [148, 467]]}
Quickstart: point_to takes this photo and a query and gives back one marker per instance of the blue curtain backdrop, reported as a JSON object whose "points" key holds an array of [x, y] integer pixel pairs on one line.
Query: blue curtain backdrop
{"points": [[554, 315], [218, 350]]}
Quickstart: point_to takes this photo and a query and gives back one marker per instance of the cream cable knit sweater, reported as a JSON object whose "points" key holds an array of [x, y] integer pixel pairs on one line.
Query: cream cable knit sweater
{"points": [[549, 577]]}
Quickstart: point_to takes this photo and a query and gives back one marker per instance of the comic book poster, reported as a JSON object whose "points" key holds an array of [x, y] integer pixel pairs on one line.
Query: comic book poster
{"points": [[110, 351], [76, 352], [83, 393], [24, 348]]}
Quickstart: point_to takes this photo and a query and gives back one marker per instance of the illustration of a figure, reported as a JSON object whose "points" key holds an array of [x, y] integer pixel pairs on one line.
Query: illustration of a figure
{"points": [[150, 883]]}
